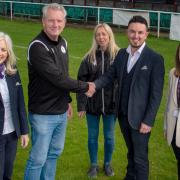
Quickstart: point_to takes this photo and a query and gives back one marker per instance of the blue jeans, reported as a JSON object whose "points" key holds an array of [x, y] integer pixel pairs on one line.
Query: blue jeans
{"points": [[48, 137], [93, 133]]}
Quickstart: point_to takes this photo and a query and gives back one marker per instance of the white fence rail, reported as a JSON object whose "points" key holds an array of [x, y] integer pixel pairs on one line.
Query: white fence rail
{"points": [[118, 16]]}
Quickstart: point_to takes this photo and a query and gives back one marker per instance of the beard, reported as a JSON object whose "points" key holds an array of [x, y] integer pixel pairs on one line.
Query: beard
{"points": [[136, 46]]}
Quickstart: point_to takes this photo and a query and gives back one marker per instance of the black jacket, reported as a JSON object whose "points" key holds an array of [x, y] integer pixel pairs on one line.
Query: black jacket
{"points": [[49, 81], [103, 101], [146, 87], [17, 106]]}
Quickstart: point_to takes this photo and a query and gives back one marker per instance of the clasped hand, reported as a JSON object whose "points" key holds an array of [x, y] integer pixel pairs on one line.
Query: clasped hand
{"points": [[91, 90]]}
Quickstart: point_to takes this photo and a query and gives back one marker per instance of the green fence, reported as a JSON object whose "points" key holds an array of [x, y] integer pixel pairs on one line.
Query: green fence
{"points": [[4, 8], [165, 20], [83, 13], [77, 13], [27, 9]]}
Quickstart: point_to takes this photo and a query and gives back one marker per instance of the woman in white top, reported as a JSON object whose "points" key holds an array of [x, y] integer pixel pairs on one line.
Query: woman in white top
{"points": [[172, 114], [13, 121]]}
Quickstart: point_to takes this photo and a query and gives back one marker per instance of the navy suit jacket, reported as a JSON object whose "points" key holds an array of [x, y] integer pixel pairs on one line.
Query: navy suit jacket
{"points": [[18, 111], [146, 87]]}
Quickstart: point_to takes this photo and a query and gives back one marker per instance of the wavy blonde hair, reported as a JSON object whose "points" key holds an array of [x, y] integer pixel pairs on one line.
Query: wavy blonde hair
{"points": [[10, 62], [112, 48]]}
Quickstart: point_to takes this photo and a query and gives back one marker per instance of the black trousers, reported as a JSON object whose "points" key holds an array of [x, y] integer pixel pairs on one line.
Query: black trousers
{"points": [[176, 150], [137, 145], [8, 147]]}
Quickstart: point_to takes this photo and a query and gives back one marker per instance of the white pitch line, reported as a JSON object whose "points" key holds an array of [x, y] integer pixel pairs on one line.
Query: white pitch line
{"points": [[24, 47]]}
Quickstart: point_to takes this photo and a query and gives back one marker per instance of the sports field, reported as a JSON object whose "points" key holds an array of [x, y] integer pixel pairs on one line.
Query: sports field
{"points": [[74, 162]]}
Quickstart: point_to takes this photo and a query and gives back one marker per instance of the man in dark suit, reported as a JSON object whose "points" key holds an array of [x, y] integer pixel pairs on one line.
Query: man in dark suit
{"points": [[140, 75]]}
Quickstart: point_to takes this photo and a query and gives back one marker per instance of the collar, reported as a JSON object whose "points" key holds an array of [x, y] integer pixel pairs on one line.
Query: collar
{"points": [[139, 50], [2, 71], [51, 41], [100, 52]]}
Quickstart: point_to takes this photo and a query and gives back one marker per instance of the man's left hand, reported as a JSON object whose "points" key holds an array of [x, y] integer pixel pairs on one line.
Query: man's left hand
{"points": [[144, 128]]}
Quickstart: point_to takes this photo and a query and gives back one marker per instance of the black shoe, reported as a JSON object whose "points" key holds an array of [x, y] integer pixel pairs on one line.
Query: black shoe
{"points": [[108, 170], [92, 172]]}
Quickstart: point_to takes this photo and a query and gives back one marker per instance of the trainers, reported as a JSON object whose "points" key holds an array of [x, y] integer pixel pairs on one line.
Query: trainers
{"points": [[108, 170], [92, 172]]}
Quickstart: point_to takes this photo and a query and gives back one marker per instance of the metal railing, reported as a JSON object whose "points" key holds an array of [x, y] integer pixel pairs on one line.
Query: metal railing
{"points": [[9, 9]]}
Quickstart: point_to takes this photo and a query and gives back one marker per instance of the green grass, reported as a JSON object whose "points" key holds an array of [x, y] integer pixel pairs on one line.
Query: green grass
{"points": [[74, 162]]}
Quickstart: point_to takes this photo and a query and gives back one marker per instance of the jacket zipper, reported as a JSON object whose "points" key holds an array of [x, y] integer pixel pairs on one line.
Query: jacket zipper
{"points": [[102, 53]]}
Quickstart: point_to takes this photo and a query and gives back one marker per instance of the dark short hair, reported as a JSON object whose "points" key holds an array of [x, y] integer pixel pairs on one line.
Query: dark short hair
{"points": [[138, 19]]}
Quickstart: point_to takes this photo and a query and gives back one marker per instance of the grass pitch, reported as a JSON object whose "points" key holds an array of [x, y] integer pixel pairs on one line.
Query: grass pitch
{"points": [[74, 162]]}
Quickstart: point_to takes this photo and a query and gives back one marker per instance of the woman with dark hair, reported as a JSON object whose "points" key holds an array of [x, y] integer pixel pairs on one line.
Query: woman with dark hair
{"points": [[172, 114]]}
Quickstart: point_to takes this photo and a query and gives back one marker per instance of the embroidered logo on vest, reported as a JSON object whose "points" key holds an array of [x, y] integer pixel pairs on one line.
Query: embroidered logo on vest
{"points": [[63, 49]]}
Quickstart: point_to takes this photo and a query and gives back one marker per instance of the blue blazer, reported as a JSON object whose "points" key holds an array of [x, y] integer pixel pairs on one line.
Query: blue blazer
{"points": [[146, 87], [19, 116]]}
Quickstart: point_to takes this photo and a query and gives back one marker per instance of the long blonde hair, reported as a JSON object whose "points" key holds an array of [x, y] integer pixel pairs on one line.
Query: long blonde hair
{"points": [[112, 48], [10, 62]]}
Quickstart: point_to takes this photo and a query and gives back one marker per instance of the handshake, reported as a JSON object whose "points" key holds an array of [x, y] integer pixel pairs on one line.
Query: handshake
{"points": [[91, 90]]}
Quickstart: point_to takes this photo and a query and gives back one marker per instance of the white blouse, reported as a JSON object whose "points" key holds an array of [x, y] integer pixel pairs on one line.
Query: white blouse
{"points": [[8, 122]]}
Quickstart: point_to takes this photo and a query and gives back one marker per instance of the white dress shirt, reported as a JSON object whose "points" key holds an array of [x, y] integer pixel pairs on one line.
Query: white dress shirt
{"points": [[132, 59], [8, 123]]}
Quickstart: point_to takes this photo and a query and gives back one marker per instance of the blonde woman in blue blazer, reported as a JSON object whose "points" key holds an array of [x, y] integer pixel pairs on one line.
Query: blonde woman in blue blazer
{"points": [[172, 114], [13, 122]]}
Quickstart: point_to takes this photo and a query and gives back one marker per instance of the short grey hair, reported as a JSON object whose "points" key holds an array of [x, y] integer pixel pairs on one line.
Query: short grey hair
{"points": [[54, 6]]}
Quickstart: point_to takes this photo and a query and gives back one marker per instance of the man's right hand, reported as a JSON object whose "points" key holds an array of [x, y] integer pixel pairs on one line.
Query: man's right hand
{"points": [[91, 90]]}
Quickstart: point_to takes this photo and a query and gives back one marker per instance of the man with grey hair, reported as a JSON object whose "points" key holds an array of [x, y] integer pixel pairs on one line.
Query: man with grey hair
{"points": [[48, 91]]}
